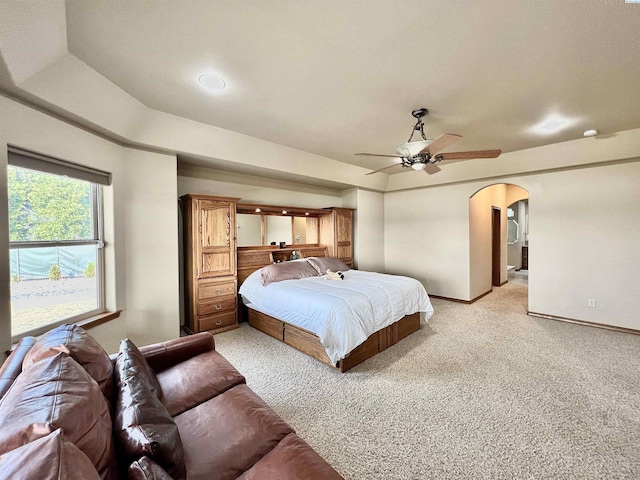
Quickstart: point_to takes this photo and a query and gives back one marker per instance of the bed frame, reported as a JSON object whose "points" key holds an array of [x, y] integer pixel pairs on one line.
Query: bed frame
{"points": [[251, 259]]}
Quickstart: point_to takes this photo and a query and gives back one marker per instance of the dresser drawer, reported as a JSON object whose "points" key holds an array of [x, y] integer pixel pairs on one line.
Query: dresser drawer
{"points": [[213, 289], [223, 304], [217, 321]]}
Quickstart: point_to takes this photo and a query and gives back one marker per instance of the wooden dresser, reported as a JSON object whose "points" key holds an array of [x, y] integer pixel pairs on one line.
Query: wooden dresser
{"points": [[210, 263]]}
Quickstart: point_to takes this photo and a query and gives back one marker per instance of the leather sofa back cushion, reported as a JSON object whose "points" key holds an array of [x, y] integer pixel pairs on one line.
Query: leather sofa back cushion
{"points": [[48, 458], [141, 422], [12, 366], [146, 469], [133, 364], [58, 393], [79, 345], [196, 380]]}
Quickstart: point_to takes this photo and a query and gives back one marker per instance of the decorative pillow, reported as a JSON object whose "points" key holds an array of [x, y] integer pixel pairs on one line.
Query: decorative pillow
{"points": [[79, 345], [141, 422], [48, 458], [286, 271], [146, 469], [139, 366], [55, 393], [322, 264]]}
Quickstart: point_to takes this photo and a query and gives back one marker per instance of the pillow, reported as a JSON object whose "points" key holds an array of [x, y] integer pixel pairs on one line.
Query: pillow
{"points": [[142, 424], [286, 271], [57, 393], [141, 371], [322, 264], [146, 469], [48, 458], [79, 345]]}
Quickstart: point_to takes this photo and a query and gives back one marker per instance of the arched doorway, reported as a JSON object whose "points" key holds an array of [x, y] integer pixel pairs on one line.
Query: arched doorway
{"points": [[488, 235]]}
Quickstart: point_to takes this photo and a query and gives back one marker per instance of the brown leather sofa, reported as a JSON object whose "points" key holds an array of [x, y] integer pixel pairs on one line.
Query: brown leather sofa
{"points": [[171, 410]]}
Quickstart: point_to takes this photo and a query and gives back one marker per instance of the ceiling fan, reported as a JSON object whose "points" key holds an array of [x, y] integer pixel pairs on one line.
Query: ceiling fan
{"points": [[424, 154]]}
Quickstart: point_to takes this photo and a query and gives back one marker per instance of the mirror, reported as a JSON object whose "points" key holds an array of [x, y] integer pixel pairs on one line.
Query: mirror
{"points": [[513, 232], [278, 229], [253, 229], [249, 228]]}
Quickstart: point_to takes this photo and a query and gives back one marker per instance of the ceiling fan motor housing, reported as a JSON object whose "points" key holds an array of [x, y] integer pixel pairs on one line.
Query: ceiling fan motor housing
{"points": [[419, 112]]}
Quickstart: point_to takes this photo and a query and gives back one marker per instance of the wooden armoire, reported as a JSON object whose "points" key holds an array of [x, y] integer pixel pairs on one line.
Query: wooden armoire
{"points": [[336, 231], [210, 263]]}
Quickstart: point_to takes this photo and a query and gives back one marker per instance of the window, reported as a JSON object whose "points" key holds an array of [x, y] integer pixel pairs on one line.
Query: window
{"points": [[55, 241]]}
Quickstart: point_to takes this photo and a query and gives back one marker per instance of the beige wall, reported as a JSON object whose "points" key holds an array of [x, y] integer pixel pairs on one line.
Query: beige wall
{"points": [[583, 243], [255, 189], [427, 237], [369, 231], [151, 231], [584, 230], [140, 269]]}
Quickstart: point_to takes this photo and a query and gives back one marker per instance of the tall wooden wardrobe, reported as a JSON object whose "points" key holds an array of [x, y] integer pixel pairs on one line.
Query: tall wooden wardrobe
{"points": [[210, 263], [336, 231]]}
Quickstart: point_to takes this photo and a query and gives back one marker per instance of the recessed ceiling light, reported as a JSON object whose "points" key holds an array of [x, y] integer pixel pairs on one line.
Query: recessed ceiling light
{"points": [[212, 82], [590, 133], [554, 124]]}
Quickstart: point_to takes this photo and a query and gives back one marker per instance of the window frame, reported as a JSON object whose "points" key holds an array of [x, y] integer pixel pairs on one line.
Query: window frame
{"points": [[97, 215]]}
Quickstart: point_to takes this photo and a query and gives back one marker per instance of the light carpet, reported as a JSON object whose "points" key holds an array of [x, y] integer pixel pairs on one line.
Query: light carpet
{"points": [[482, 391]]}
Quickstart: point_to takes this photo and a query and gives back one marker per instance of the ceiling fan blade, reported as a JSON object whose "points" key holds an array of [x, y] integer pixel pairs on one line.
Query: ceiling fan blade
{"points": [[385, 168], [377, 155], [431, 168], [469, 155], [440, 143]]}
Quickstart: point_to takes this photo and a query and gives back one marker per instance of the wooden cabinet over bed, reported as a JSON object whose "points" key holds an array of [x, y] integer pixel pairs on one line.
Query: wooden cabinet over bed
{"points": [[210, 263]]}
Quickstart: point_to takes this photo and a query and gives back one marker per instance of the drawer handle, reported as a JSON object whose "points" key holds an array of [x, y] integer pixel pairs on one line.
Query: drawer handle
{"points": [[218, 307], [218, 323], [218, 291]]}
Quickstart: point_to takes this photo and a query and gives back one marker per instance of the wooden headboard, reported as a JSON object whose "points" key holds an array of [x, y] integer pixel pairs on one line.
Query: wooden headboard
{"points": [[251, 259]]}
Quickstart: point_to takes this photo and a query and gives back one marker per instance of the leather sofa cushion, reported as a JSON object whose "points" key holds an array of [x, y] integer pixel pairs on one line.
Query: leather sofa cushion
{"points": [[146, 469], [291, 459], [161, 356], [48, 458], [55, 393], [227, 434], [142, 424], [79, 345], [196, 380], [12, 366]]}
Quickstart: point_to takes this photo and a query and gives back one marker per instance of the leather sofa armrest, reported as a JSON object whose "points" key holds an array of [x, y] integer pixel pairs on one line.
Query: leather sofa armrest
{"points": [[12, 366], [161, 356]]}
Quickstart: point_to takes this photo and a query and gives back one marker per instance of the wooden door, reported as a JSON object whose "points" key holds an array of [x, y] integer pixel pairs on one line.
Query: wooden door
{"points": [[216, 238], [495, 246]]}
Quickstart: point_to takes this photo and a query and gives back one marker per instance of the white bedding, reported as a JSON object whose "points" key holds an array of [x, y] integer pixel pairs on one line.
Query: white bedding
{"points": [[343, 313]]}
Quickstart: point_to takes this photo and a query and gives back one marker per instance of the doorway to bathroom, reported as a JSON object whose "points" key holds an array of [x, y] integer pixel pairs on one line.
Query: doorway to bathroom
{"points": [[518, 242]]}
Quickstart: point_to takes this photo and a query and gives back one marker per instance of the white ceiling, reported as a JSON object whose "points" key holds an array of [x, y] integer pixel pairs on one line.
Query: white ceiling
{"points": [[339, 77]]}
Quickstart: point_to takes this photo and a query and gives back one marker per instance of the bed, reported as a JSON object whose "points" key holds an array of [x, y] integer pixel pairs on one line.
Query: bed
{"points": [[340, 323]]}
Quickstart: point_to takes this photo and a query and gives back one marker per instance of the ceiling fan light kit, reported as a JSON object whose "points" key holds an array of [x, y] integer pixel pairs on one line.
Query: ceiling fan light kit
{"points": [[420, 154]]}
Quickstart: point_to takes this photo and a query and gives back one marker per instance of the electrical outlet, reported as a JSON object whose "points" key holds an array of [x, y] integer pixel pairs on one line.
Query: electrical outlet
{"points": [[592, 303]]}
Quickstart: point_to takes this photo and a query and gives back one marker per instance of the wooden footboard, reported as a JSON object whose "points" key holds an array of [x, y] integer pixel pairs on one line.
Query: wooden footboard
{"points": [[309, 343]]}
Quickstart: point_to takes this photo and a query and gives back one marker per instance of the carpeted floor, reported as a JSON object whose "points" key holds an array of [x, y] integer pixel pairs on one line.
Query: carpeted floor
{"points": [[482, 391]]}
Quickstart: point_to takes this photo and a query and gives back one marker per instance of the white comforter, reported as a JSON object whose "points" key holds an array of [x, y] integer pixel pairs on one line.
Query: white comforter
{"points": [[343, 313]]}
